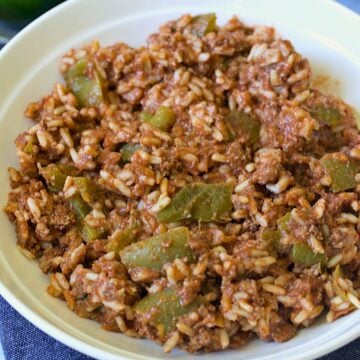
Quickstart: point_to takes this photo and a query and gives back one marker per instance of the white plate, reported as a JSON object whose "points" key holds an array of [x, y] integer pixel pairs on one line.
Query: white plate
{"points": [[323, 31]]}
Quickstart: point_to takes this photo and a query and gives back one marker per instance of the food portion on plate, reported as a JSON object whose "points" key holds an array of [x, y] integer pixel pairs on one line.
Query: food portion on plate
{"points": [[198, 191]]}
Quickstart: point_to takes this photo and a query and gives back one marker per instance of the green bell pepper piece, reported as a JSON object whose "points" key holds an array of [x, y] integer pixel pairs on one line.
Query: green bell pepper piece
{"points": [[155, 252], [81, 209], [163, 119], [123, 239], [55, 176], [302, 254], [203, 24], [283, 222], [199, 201], [128, 150], [330, 116], [80, 206], [271, 238], [342, 172], [145, 116], [239, 124], [90, 234], [87, 90], [87, 188], [163, 309], [29, 147]]}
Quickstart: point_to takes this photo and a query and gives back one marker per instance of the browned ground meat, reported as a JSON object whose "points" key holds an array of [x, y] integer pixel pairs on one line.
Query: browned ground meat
{"points": [[131, 136]]}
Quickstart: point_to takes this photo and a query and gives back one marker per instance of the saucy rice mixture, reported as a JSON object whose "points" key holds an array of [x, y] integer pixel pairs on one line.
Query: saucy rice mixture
{"points": [[197, 192]]}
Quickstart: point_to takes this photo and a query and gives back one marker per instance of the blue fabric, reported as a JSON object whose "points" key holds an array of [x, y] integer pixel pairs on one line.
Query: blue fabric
{"points": [[23, 341], [354, 5]]}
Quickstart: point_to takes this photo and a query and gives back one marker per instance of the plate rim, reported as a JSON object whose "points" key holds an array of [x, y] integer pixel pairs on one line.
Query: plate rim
{"points": [[39, 321]]}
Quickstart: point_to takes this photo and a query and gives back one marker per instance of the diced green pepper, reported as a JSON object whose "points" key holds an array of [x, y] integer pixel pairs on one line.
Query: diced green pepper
{"points": [[86, 88], [81, 209], [204, 202], [302, 254], [29, 147], [122, 239], [128, 150], [163, 309], [163, 119], [241, 124], [341, 170], [203, 24], [55, 175], [90, 233], [155, 252], [330, 116], [283, 222], [87, 188], [145, 116], [271, 238]]}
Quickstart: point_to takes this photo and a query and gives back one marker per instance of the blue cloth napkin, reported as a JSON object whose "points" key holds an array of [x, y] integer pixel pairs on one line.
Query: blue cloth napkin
{"points": [[23, 341]]}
